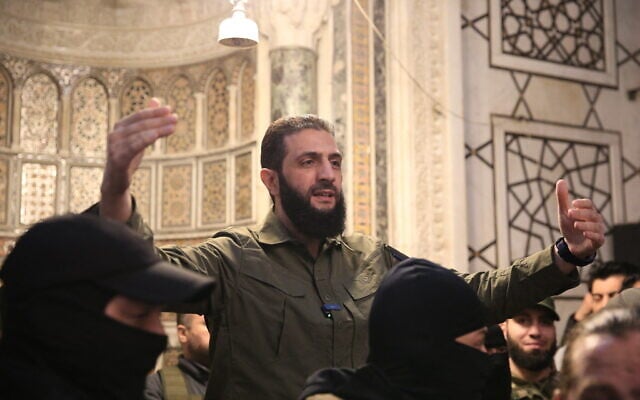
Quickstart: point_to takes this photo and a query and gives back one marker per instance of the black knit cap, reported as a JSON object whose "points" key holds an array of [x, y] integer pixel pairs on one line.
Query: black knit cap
{"points": [[420, 302], [76, 248]]}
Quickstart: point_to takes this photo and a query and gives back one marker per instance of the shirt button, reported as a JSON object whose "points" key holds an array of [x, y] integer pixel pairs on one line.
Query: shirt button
{"points": [[327, 297]]}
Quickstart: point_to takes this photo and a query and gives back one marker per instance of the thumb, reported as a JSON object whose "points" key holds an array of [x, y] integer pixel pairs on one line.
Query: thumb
{"points": [[562, 197]]}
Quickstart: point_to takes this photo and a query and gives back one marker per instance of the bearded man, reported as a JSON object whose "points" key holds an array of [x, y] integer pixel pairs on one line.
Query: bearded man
{"points": [[531, 343], [294, 294]]}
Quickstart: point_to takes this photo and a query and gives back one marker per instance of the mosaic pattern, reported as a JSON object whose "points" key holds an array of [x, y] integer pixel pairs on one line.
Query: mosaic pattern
{"points": [[4, 108], [90, 119], [339, 95], [243, 187], [38, 192], [566, 32], [247, 96], [135, 97], [214, 192], [218, 111], [360, 85], [141, 189], [183, 103], [39, 115], [84, 187], [4, 191], [534, 166], [176, 196]]}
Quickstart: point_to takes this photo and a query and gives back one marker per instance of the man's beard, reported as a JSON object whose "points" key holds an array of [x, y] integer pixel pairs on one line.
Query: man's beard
{"points": [[308, 220], [535, 360]]}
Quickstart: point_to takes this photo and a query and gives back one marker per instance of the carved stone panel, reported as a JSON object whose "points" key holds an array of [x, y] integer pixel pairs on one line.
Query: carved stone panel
{"points": [[84, 187], [243, 192], [39, 115], [90, 118], [37, 192], [182, 102], [176, 195], [218, 111], [214, 192]]}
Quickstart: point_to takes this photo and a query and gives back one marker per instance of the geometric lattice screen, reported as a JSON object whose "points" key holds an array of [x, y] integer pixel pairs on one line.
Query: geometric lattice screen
{"points": [[562, 38], [530, 158]]}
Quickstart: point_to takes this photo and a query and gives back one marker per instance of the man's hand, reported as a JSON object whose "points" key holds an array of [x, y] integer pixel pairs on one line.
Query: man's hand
{"points": [[585, 309], [581, 224], [125, 147]]}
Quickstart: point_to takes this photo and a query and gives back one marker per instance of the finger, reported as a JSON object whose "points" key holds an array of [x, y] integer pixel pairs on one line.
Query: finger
{"points": [[586, 226], [147, 124], [154, 102], [562, 197], [143, 115], [583, 203], [596, 238], [585, 214]]}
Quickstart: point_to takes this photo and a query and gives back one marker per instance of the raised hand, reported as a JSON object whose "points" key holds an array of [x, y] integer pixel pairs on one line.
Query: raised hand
{"points": [[125, 147], [580, 223]]}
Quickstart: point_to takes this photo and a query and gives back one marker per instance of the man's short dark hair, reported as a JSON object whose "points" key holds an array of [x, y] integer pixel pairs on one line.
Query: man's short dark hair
{"points": [[617, 322], [610, 268], [273, 149]]}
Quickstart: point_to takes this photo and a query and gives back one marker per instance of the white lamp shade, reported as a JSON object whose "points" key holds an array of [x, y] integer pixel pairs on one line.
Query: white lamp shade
{"points": [[238, 31]]}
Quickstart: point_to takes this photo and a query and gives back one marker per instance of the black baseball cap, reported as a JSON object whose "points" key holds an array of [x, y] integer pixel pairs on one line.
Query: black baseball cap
{"points": [[75, 248]]}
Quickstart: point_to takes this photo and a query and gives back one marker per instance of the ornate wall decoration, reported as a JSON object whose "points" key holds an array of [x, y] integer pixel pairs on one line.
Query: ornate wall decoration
{"points": [[141, 189], [214, 192], [380, 83], [362, 146], [4, 191], [243, 197], [135, 97], [218, 111], [569, 39], [89, 119], [176, 196], [5, 96], [182, 102], [39, 115], [530, 158], [38, 192], [84, 187], [247, 97]]}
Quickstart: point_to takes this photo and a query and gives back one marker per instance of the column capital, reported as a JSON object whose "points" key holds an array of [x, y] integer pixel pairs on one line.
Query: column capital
{"points": [[292, 23]]}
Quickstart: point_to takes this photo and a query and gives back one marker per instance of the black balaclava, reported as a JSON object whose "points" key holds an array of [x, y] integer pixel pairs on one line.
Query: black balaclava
{"points": [[418, 312], [63, 330]]}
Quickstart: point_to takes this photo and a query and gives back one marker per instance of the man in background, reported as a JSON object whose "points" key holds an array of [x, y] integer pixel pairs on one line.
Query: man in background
{"points": [[602, 360], [605, 281], [531, 343], [190, 376]]}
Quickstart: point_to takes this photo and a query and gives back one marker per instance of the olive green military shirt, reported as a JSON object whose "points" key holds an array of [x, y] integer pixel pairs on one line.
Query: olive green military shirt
{"points": [[541, 390], [269, 331]]}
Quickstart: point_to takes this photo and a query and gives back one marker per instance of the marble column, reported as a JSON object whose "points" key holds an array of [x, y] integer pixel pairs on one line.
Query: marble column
{"points": [[291, 27], [293, 82]]}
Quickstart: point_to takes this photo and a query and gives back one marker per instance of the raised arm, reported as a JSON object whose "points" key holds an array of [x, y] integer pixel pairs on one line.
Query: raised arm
{"points": [[125, 147]]}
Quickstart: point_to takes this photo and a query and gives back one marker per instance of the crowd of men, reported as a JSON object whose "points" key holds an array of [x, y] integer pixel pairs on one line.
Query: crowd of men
{"points": [[295, 308]]}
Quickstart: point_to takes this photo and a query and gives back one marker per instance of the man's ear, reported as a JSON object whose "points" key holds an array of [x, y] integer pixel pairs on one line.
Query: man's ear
{"points": [[270, 179], [503, 326], [181, 332]]}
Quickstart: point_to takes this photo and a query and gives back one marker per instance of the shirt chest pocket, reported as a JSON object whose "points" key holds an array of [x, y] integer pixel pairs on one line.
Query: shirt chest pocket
{"points": [[264, 292], [363, 288]]}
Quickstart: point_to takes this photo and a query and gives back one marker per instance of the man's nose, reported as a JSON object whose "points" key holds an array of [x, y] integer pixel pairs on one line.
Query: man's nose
{"points": [[326, 171]]}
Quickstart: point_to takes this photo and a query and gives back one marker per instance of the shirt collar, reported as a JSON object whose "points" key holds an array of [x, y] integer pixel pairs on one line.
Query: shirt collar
{"points": [[273, 232]]}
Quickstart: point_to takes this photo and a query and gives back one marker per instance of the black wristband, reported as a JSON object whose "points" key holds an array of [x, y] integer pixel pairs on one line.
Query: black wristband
{"points": [[565, 254]]}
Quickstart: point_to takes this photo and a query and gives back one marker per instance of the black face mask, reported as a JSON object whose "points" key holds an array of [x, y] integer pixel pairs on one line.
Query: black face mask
{"points": [[308, 220], [498, 386], [65, 330]]}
